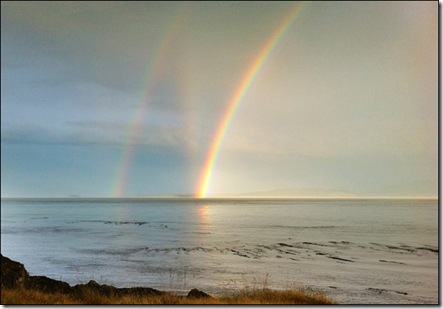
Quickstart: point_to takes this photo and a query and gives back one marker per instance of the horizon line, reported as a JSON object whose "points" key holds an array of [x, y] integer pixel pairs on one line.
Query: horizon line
{"points": [[225, 197]]}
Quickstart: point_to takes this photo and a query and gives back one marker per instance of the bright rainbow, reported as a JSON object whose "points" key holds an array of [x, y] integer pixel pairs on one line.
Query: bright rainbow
{"points": [[238, 95]]}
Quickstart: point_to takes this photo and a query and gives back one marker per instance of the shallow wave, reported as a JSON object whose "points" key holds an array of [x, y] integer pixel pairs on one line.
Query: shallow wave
{"points": [[304, 227], [341, 251], [41, 230]]}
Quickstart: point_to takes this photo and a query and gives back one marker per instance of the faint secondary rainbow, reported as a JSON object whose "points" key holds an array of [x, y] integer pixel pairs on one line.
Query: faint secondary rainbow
{"points": [[134, 131], [239, 93]]}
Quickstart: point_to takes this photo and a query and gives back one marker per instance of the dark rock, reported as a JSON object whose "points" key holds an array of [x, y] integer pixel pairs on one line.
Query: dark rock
{"points": [[13, 273], [95, 288], [430, 249], [45, 284], [194, 293], [393, 262], [138, 291], [379, 291], [109, 290], [340, 259], [284, 245]]}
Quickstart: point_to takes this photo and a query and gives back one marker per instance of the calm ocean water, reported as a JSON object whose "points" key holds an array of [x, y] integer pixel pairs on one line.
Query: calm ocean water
{"points": [[357, 251]]}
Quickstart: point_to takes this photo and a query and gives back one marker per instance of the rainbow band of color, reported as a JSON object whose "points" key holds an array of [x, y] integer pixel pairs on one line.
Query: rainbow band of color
{"points": [[238, 95], [135, 130]]}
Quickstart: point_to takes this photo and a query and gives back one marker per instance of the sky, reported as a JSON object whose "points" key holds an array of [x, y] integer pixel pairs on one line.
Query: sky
{"points": [[116, 99]]}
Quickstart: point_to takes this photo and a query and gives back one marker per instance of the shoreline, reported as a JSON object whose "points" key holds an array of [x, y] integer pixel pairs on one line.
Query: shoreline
{"points": [[18, 287]]}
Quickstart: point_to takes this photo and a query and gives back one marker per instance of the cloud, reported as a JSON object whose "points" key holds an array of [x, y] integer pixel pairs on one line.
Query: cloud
{"points": [[80, 132], [147, 134], [103, 43]]}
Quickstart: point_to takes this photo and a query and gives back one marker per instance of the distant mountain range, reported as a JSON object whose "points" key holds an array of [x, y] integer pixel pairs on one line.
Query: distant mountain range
{"points": [[302, 192], [415, 189], [410, 190]]}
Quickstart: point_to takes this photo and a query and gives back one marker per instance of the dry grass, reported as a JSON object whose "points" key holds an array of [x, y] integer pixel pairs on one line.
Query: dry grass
{"points": [[255, 296], [28, 297]]}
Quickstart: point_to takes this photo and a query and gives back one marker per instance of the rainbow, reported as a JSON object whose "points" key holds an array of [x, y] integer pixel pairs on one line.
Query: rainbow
{"points": [[134, 130], [239, 93]]}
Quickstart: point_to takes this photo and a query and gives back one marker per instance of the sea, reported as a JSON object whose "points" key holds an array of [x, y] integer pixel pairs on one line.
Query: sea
{"points": [[357, 251]]}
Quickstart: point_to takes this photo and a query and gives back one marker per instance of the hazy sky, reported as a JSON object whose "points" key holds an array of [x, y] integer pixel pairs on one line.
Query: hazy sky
{"points": [[98, 97]]}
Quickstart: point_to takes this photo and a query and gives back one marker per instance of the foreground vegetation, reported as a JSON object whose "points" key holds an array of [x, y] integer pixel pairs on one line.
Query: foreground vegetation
{"points": [[257, 296], [18, 287]]}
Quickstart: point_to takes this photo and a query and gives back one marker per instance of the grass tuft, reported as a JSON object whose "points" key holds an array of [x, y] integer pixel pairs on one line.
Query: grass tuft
{"points": [[253, 296]]}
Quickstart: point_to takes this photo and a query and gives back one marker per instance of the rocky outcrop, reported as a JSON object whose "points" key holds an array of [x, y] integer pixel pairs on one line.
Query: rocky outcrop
{"points": [[194, 293], [14, 275], [48, 285], [139, 291], [109, 290]]}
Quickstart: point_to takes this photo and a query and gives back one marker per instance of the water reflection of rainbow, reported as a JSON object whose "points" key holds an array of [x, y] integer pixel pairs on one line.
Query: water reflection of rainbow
{"points": [[244, 85]]}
